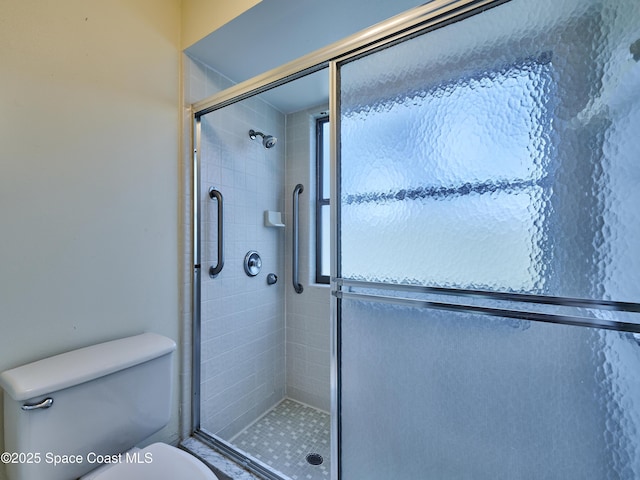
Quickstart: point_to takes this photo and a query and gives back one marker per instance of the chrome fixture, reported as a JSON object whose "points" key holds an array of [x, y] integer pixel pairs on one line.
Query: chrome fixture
{"points": [[297, 286], [267, 140], [214, 270], [252, 263], [46, 403], [272, 278]]}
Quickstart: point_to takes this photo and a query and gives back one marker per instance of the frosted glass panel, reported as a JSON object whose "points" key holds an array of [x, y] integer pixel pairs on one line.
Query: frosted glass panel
{"points": [[430, 394], [498, 153]]}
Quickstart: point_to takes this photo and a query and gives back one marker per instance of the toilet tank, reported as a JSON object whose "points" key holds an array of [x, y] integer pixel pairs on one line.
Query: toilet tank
{"points": [[106, 398]]}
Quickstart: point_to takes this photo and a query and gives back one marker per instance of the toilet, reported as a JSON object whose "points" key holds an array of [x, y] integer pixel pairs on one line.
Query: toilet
{"points": [[80, 414]]}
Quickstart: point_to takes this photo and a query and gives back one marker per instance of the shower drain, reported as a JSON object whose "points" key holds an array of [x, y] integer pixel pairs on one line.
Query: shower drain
{"points": [[314, 459]]}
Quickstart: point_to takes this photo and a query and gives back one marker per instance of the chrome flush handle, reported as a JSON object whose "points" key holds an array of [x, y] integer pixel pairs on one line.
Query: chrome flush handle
{"points": [[46, 403]]}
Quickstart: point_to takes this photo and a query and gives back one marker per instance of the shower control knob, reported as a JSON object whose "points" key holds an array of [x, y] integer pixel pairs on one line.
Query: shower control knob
{"points": [[252, 263]]}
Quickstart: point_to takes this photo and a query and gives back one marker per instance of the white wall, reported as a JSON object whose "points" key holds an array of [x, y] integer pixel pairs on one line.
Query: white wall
{"points": [[201, 17], [89, 189]]}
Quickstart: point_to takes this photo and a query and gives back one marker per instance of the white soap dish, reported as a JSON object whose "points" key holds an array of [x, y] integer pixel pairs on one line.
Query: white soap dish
{"points": [[273, 219]]}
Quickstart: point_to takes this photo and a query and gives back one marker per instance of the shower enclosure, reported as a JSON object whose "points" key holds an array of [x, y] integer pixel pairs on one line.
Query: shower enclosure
{"points": [[264, 359], [485, 307]]}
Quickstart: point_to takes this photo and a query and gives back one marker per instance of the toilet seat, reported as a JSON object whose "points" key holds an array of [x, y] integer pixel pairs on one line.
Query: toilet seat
{"points": [[164, 463]]}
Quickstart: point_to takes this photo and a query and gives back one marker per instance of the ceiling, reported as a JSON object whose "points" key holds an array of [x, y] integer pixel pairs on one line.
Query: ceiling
{"points": [[276, 32]]}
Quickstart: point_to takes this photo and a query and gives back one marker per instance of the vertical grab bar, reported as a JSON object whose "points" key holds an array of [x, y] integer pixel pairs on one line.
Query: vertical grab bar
{"points": [[294, 261], [214, 270]]}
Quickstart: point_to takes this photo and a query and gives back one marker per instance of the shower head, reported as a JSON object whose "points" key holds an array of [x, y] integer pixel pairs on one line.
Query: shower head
{"points": [[267, 140]]}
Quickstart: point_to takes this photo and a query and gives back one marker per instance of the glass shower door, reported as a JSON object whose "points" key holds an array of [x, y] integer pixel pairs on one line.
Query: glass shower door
{"points": [[488, 277]]}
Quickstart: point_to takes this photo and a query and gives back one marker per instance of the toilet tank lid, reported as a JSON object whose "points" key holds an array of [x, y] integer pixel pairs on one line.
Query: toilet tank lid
{"points": [[79, 366]]}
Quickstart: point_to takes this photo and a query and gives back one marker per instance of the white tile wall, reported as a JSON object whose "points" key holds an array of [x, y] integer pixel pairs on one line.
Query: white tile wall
{"points": [[243, 369], [308, 321], [259, 342], [198, 82]]}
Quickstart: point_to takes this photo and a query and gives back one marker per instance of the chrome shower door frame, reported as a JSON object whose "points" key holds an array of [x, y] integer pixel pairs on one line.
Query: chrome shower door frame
{"points": [[416, 21], [540, 310]]}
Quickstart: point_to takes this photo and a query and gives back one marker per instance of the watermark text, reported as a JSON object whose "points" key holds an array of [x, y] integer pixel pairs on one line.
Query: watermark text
{"points": [[52, 458]]}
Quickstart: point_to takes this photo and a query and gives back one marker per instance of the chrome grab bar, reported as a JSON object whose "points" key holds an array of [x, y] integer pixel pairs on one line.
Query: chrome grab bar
{"points": [[46, 403], [294, 261], [214, 270]]}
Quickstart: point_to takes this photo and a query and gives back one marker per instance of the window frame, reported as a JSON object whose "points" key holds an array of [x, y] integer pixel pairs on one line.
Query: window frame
{"points": [[321, 201]]}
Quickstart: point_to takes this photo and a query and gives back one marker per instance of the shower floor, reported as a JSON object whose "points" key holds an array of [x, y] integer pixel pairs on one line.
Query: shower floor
{"points": [[284, 437]]}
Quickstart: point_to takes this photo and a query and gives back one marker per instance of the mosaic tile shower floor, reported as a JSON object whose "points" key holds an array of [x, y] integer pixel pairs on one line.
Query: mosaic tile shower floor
{"points": [[286, 435]]}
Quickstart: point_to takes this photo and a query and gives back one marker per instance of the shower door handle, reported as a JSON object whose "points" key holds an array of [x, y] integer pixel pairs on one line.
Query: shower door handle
{"points": [[214, 270], [294, 260]]}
